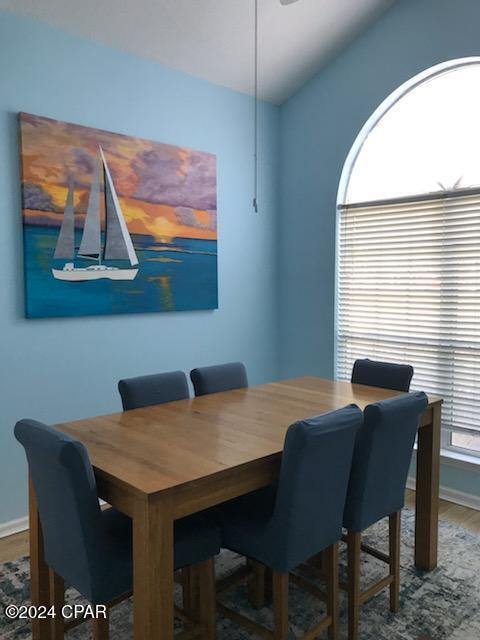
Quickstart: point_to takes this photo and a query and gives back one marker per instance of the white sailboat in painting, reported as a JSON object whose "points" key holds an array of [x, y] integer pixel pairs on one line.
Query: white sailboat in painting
{"points": [[118, 243]]}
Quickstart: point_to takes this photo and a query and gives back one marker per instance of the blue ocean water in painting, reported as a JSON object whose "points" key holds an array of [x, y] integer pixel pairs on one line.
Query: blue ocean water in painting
{"points": [[173, 276]]}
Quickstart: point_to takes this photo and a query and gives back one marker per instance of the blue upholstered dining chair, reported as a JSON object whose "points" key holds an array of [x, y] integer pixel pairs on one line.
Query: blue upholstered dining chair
{"points": [[284, 526], [89, 548], [158, 388], [145, 391], [220, 377], [376, 489], [385, 375], [214, 379]]}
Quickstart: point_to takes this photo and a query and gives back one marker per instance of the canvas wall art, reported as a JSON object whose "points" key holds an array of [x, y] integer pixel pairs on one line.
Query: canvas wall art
{"points": [[115, 224]]}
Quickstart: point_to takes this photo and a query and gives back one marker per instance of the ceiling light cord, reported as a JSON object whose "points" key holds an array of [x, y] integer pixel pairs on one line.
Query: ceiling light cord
{"points": [[255, 111]]}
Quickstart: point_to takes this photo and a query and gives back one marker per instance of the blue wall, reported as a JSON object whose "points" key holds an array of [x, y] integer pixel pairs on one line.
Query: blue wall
{"points": [[56, 370], [318, 127]]}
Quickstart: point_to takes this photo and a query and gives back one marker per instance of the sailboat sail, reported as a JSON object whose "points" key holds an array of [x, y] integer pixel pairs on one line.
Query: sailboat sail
{"points": [[115, 248], [66, 238], [118, 244], [90, 246]]}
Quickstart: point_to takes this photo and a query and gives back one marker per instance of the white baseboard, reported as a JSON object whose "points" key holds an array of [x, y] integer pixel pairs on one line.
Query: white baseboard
{"points": [[452, 495], [14, 526]]}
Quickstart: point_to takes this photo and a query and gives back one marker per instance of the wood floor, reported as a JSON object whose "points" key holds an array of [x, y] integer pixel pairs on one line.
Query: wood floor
{"points": [[15, 546], [454, 513]]}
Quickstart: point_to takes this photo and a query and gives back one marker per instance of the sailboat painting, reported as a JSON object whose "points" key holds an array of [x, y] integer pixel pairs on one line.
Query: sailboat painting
{"points": [[115, 224]]}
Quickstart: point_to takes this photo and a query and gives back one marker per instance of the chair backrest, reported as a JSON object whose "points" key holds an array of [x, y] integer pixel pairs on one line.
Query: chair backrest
{"points": [[313, 482], [220, 377], [386, 375], [383, 451], [158, 388], [75, 541]]}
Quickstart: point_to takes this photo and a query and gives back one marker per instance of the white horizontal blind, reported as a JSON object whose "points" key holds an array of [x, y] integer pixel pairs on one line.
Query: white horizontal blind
{"points": [[409, 291]]}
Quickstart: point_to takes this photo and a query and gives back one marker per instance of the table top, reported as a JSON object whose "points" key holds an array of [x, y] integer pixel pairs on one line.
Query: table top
{"points": [[161, 447]]}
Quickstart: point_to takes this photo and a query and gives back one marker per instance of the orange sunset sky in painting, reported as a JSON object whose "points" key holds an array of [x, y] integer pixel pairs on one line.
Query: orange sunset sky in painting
{"points": [[165, 191]]}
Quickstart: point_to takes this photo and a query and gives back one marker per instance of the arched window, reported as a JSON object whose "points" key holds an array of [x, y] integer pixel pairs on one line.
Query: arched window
{"points": [[408, 277]]}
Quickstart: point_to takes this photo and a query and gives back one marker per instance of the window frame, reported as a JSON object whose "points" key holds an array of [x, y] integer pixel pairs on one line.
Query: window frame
{"points": [[373, 120]]}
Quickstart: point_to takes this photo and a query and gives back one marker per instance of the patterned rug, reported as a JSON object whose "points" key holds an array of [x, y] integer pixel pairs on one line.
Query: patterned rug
{"points": [[441, 605]]}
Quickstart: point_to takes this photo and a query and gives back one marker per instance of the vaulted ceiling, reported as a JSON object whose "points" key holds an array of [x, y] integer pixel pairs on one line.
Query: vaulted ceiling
{"points": [[213, 39]]}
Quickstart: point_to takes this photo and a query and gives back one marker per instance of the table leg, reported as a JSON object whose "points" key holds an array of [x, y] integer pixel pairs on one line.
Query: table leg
{"points": [[427, 493], [39, 573], [153, 569]]}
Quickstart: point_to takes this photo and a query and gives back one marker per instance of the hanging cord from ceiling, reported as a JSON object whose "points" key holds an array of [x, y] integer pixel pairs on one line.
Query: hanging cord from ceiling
{"points": [[255, 107]]}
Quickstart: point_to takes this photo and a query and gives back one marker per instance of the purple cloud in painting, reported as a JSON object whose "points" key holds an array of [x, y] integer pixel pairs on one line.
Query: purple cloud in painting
{"points": [[186, 216], [83, 161], [35, 197], [168, 177]]}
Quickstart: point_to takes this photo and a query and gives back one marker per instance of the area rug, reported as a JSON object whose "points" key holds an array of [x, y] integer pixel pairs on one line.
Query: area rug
{"points": [[442, 605]]}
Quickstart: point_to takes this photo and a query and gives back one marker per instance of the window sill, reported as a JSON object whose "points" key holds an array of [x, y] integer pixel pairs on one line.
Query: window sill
{"points": [[458, 460], [462, 460]]}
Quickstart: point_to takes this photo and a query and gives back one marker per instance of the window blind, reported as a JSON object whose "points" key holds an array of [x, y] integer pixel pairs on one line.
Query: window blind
{"points": [[408, 291]]}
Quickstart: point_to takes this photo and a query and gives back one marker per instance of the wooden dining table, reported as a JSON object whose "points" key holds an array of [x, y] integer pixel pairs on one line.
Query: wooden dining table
{"points": [[163, 462]]}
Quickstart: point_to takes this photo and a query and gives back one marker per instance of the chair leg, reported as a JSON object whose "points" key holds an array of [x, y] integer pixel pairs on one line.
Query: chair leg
{"points": [[354, 541], [100, 628], [190, 592], [207, 598], [330, 567], [57, 600], [394, 553], [256, 585], [280, 605]]}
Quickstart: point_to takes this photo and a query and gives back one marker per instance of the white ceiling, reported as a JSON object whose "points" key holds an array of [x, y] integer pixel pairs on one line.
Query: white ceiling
{"points": [[213, 39]]}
